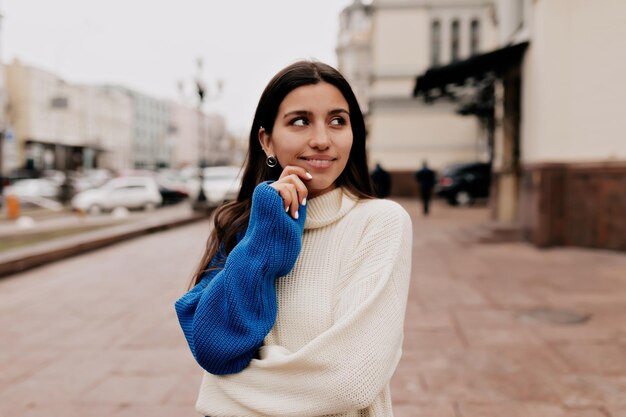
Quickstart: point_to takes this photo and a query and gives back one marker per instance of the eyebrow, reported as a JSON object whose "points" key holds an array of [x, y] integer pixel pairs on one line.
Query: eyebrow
{"points": [[308, 113]]}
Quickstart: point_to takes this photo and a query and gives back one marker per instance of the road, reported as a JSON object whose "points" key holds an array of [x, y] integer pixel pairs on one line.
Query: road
{"points": [[492, 329]]}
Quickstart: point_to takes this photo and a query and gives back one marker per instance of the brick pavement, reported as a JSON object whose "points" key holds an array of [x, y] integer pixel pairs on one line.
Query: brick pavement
{"points": [[96, 335], [486, 331]]}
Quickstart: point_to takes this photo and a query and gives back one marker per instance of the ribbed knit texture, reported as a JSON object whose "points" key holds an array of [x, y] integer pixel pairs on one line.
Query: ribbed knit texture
{"points": [[338, 333], [228, 313]]}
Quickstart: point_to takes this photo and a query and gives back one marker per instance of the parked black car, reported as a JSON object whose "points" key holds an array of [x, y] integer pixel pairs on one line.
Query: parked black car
{"points": [[462, 184], [171, 193]]}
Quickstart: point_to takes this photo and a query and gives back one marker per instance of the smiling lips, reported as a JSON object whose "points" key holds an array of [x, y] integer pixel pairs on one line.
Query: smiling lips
{"points": [[319, 161]]}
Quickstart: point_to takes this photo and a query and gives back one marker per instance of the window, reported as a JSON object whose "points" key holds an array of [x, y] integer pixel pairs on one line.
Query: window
{"points": [[474, 37], [435, 43], [454, 50], [520, 12], [59, 102]]}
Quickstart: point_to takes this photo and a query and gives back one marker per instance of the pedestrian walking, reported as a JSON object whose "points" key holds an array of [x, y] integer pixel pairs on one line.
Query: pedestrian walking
{"points": [[381, 181], [298, 303], [426, 181]]}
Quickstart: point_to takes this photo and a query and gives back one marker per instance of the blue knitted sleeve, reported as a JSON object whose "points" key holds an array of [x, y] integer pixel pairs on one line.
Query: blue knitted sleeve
{"points": [[226, 316]]}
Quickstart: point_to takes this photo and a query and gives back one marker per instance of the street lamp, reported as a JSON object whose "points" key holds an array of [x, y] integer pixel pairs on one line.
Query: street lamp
{"points": [[200, 90], [202, 95]]}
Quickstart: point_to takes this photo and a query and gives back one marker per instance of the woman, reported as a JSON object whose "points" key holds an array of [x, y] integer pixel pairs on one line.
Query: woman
{"points": [[298, 304]]}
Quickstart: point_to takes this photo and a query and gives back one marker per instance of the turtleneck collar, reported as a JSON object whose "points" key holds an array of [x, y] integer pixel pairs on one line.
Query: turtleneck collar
{"points": [[328, 208]]}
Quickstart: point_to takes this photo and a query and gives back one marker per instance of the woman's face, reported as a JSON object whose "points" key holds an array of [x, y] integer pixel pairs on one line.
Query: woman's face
{"points": [[312, 130]]}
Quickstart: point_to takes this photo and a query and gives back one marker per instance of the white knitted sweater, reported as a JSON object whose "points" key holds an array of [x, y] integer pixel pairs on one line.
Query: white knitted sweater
{"points": [[338, 334]]}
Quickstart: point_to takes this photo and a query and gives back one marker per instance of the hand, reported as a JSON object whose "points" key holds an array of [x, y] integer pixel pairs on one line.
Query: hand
{"points": [[291, 188]]}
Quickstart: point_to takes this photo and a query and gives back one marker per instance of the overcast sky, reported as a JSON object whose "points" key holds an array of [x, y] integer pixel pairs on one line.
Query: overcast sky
{"points": [[151, 45]]}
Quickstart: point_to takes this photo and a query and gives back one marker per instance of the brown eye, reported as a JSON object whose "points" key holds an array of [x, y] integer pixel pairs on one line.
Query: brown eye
{"points": [[299, 121], [338, 121]]}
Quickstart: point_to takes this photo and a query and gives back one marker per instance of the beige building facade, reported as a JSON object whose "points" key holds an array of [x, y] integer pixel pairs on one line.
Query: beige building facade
{"points": [[408, 37], [354, 51], [109, 119], [151, 148], [572, 187], [574, 95], [199, 138], [559, 163], [58, 125]]}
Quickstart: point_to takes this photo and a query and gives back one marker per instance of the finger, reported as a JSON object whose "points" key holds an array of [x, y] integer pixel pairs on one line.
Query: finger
{"points": [[302, 173], [290, 199], [293, 200], [301, 189], [285, 195]]}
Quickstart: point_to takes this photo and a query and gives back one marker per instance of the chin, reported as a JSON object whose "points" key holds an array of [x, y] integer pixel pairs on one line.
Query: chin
{"points": [[316, 190]]}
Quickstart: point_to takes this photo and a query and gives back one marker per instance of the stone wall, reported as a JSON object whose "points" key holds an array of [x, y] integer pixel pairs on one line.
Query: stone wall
{"points": [[574, 204]]}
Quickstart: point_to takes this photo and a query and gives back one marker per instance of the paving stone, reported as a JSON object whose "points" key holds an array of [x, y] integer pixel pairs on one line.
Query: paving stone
{"points": [[514, 409], [602, 359], [616, 411], [584, 390], [489, 336], [409, 387], [64, 410], [452, 385], [436, 337], [126, 390], [491, 387], [424, 410], [36, 392], [16, 365], [157, 411], [186, 391], [420, 319]]}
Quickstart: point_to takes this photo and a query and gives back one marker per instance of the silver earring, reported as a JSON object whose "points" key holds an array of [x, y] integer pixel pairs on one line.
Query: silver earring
{"points": [[271, 161]]}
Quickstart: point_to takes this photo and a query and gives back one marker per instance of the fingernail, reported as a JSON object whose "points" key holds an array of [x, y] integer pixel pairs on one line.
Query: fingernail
{"points": [[286, 209], [309, 176], [295, 216], [304, 201]]}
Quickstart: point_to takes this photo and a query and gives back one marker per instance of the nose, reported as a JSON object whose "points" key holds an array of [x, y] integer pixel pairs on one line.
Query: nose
{"points": [[319, 138]]}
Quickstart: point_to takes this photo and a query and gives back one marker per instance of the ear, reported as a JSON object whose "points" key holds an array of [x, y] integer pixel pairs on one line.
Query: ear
{"points": [[265, 141]]}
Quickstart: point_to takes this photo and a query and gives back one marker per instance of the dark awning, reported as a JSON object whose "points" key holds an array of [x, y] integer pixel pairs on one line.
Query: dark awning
{"points": [[477, 67]]}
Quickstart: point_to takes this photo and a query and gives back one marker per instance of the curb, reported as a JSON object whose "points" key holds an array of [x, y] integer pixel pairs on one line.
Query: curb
{"points": [[56, 251]]}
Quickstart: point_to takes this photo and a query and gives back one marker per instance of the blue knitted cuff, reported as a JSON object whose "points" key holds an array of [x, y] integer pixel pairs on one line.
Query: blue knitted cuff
{"points": [[271, 225]]}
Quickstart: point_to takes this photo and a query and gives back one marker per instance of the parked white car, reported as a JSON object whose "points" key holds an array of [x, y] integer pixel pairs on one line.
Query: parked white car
{"points": [[220, 184], [38, 192], [36, 187], [128, 192]]}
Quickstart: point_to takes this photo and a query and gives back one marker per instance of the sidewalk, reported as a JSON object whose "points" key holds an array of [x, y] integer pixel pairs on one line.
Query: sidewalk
{"points": [[492, 330], [509, 329]]}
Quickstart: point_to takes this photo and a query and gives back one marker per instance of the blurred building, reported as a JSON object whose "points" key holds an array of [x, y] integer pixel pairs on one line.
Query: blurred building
{"points": [[559, 148], [354, 49], [7, 143], [57, 125], [198, 138], [239, 147], [220, 142], [151, 148], [109, 118], [407, 37], [184, 133]]}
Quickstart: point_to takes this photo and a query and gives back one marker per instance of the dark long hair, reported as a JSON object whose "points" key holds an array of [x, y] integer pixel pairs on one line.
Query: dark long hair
{"points": [[233, 217]]}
